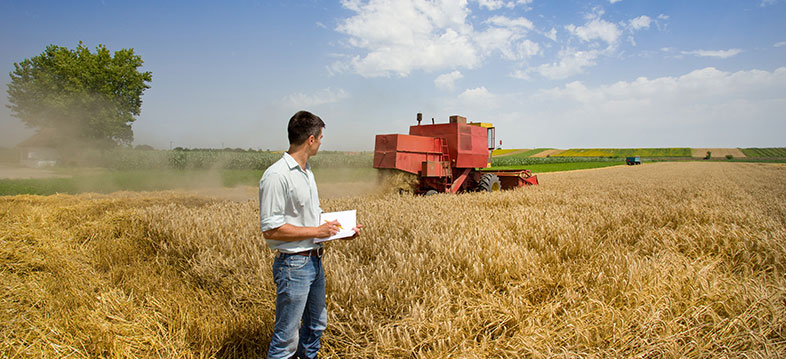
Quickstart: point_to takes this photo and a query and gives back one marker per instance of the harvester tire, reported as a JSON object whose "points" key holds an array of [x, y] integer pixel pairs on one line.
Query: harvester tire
{"points": [[489, 182], [431, 192]]}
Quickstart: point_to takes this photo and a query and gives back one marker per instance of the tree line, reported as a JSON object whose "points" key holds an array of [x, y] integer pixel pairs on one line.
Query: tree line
{"points": [[86, 98]]}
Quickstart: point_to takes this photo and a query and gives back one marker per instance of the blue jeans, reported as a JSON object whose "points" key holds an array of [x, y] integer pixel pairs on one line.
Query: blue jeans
{"points": [[300, 296]]}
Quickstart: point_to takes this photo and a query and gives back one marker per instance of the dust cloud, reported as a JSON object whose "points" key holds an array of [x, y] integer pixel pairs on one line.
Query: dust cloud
{"points": [[332, 183]]}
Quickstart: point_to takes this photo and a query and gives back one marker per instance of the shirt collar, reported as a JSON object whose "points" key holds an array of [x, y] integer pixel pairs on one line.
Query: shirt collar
{"points": [[292, 163]]}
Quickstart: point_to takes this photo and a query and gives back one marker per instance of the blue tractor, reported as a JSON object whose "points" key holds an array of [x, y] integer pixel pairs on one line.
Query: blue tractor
{"points": [[633, 160]]}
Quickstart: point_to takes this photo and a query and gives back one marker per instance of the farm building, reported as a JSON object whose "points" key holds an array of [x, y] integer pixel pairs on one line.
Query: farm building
{"points": [[40, 150]]}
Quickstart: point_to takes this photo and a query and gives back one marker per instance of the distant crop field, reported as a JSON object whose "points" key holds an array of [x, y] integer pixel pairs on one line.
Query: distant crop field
{"points": [[521, 152], [666, 260], [515, 160], [718, 152], [557, 167], [766, 152], [206, 159], [500, 152], [73, 181], [625, 152]]}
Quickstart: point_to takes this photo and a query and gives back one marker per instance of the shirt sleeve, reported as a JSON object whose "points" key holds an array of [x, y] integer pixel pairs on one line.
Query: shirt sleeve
{"points": [[272, 201]]}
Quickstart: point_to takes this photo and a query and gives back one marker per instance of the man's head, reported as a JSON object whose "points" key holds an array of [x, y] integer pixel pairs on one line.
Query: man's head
{"points": [[305, 128]]}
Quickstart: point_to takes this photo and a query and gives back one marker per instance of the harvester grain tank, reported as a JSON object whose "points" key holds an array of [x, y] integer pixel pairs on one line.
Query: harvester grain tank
{"points": [[448, 157]]}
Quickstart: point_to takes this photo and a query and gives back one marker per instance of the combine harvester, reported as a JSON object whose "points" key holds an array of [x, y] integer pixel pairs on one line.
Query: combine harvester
{"points": [[448, 157]]}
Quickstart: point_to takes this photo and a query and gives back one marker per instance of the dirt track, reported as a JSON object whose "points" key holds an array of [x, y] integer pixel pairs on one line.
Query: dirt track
{"points": [[718, 152], [547, 153], [512, 153]]}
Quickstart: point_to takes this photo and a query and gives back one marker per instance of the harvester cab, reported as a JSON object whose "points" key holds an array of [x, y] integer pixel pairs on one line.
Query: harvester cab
{"points": [[448, 157]]}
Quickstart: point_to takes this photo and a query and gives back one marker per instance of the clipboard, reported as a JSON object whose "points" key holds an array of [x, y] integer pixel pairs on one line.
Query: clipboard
{"points": [[347, 219]]}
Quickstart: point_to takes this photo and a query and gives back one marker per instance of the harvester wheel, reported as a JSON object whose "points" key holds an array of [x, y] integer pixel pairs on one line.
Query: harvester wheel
{"points": [[431, 192], [489, 182]]}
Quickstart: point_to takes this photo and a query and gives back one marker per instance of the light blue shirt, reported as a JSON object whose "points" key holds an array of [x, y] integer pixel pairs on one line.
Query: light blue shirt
{"points": [[288, 194]]}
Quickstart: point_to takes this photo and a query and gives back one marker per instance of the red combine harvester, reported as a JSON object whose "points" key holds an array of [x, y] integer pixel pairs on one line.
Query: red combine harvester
{"points": [[448, 157]]}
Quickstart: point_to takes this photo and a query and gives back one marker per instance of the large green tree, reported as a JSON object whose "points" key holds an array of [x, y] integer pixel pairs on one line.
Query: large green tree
{"points": [[86, 96]]}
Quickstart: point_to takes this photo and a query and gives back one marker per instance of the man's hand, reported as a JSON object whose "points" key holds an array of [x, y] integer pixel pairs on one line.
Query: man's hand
{"points": [[357, 232], [328, 229]]}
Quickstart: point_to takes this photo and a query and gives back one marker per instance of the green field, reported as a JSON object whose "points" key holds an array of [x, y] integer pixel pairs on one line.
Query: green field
{"points": [[765, 152], [514, 160], [558, 167], [135, 170], [753, 152], [526, 153], [106, 181], [626, 152], [503, 152], [602, 152], [203, 159]]}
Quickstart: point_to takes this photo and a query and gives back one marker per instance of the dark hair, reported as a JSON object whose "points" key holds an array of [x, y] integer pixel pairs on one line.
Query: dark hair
{"points": [[302, 125]]}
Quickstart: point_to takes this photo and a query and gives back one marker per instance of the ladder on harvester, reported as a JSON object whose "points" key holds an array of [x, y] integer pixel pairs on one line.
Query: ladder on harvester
{"points": [[446, 167]]}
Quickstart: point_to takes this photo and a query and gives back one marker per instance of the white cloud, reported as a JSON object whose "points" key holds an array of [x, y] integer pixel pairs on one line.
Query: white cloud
{"points": [[768, 2], [660, 21], [398, 37], [641, 22], [703, 107], [494, 39], [708, 85], [527, 49], [614, 1], [723, 54], [780, 44], [475, 93], [321, 97], [571, 62], [447, 81], [596, 13], [505, 42], [521, 75], [596, 29], [503, 37], [394, 38], [636, 24], [498, 4], [551, 34], [478, 97], [503, 21], [491, 4]]}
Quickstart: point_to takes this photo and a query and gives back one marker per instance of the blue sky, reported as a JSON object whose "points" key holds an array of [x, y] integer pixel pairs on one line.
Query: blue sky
{"points": [[562, 74]]}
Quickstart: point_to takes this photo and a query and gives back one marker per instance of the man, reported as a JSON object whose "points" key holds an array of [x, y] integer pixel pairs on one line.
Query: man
{"points": [[289, 217]]}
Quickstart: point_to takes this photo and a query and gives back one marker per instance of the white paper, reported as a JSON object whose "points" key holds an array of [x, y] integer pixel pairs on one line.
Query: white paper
{"points": [[347, 220]]}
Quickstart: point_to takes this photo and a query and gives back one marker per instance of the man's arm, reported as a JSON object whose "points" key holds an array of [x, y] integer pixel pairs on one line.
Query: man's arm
{"points": [[291, 233]]}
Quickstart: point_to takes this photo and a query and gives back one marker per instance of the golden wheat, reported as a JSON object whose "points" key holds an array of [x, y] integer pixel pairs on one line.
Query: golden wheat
{"points": [[662, 260]]}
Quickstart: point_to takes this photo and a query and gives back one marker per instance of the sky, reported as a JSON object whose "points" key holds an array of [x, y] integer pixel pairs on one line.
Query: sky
{"points": [[556, 74]]}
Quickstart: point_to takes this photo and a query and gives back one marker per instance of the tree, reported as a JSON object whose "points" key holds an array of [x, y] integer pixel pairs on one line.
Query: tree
{"points": [[85, 96]]}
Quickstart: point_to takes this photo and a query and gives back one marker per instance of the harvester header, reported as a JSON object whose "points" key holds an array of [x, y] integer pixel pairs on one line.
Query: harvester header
{"points": [[448, 157]]}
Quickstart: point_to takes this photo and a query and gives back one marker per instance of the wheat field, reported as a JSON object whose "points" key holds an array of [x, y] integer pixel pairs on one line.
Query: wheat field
{"points": [[665, 260]]}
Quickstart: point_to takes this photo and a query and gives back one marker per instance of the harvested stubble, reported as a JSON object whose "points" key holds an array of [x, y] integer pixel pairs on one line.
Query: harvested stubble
{"points": [[664, 260]]}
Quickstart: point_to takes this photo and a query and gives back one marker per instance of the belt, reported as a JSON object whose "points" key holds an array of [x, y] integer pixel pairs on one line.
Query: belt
{"points": [[310, 253]]}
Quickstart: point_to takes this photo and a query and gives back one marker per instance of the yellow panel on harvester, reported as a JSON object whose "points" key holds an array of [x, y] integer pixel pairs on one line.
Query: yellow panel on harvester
{"points": [[481, 124]]}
